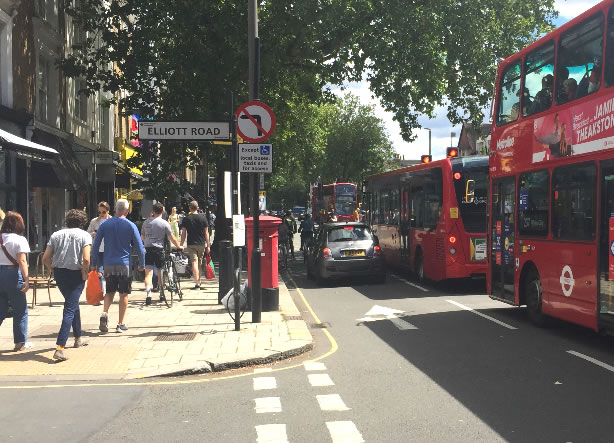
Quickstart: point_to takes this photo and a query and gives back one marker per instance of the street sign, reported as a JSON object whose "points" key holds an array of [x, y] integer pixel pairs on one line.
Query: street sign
{"points": [[262, 200], [255, 121], [183, 131], [255, 157]]}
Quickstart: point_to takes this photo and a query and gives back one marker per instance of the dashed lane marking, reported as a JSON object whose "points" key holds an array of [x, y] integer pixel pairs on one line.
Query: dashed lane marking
{"points": [[344, 432], [401, 279], [262, 383], [320, 380], [592, 360], [267, 405], [331, 402], [272, 434], [466, 308], [314, 366], [261, 370]]}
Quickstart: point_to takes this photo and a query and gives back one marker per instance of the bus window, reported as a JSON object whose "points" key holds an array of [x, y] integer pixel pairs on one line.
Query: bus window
{"points": [[533, 203], [573, 202], [471, 187], [508, 94], [579, 60], [538, 80], [609, 51]]}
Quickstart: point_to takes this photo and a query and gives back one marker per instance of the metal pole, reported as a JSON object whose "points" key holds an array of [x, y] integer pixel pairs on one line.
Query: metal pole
{"points": [[236, 270], [429, 142], [253, 44]]}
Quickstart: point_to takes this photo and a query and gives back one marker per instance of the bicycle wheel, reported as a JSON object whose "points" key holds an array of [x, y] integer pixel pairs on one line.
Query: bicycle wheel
{"points": [[176, 281], [166, 287]]}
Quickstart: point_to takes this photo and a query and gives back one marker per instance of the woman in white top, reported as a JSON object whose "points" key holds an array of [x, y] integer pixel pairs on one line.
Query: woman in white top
{"points": [[14, 276], [68, 253]]}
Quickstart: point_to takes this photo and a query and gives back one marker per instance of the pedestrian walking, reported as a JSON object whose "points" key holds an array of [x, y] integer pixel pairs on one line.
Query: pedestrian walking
{"points": [[154, 233], [173, 219], [121, 236], [68, 254], [103, 214], [14, 283], [195, 228], [211, 221]]}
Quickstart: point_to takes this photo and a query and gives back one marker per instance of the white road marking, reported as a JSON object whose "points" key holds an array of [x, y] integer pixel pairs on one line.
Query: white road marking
{"points": [[410, 283], [320, 380], [261, 370], [344, 432], [266, 405], [592, 360], [261, 383], [331, 402], [272, 434], [499, 322], [314, 366], [402, 324]]}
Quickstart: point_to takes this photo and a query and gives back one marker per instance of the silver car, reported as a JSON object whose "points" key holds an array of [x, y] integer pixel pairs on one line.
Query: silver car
{"points": [[345, 250]]}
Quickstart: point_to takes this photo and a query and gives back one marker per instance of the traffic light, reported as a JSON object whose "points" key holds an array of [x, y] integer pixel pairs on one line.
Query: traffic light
{"points": [[451, 152], [426, 158]]}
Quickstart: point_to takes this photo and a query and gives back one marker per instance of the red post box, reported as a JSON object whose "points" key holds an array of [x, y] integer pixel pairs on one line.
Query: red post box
{"points": [[268, 259]]}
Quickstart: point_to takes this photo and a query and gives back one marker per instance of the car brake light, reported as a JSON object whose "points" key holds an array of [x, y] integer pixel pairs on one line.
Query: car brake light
{"points": [[452, 239], [326, 253], [377, 250]]}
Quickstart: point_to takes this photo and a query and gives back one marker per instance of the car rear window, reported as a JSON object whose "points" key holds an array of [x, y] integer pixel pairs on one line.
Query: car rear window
{"points": [[348, 233]]}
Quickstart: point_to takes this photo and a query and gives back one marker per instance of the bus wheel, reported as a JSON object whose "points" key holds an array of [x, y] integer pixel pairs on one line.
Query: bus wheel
{"points": [[419, 266], [533, 293]]}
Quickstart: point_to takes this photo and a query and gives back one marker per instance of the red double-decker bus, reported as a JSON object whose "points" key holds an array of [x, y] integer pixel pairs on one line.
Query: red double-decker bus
{"points": [[431, 218], [338, 199], [551, 234]]}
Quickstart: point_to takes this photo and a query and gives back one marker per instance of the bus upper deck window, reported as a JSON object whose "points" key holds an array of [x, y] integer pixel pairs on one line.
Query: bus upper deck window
{"points": [[509, 88]]}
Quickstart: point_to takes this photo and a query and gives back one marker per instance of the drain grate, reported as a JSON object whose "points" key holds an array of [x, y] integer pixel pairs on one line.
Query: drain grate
{"points": [[292, 317], [322, 325], [189, 336]]}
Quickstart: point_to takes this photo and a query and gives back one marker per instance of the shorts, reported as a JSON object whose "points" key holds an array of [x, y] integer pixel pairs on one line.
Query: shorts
{"points": [[195, 253], [154, 257], [118, 283]]}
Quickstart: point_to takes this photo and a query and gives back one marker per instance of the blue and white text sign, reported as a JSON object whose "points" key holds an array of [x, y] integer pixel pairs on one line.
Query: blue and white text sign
{"points": [[255, 157]]}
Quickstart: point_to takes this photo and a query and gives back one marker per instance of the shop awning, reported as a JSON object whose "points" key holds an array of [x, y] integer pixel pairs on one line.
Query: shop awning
{"points": [[67, 168], [12, 141]]}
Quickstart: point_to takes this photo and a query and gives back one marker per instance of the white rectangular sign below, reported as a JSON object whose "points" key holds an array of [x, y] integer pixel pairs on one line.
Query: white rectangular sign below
{"points": [[186, 131], [255, 157], [238, 230]]}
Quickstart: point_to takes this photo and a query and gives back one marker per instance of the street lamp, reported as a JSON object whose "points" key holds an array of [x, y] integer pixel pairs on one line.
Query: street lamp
{"points": [[429, 129]]}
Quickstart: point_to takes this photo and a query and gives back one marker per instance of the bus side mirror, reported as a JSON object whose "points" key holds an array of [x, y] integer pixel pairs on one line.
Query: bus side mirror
{"points": [[470, 191]]}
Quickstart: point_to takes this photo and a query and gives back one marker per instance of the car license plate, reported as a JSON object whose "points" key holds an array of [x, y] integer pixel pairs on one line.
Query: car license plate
{"points": [[354, 253]]}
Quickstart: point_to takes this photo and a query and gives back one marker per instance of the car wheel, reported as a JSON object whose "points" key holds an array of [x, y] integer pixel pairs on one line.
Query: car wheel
{"points": [[533, 293]]}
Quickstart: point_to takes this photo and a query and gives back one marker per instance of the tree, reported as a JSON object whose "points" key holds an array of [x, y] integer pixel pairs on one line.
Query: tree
{"points": [[181, 59]]}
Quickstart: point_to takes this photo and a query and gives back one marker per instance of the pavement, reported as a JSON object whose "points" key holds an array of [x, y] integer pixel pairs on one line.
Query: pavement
{"points": [[194, 336]]}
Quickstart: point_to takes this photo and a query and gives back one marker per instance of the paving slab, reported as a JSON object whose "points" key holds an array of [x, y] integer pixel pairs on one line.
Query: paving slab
{"points": [[196, 335]]}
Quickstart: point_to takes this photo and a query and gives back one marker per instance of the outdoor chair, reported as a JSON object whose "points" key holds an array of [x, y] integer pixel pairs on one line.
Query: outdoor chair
{"points": [[42, 277]]}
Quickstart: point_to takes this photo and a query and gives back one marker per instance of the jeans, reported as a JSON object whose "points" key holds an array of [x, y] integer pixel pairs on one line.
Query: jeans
{"points": [[71, 286], [11, 283], [100, 269]]}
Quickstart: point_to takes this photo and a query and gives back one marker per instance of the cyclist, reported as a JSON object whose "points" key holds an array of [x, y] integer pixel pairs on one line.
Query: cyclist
{"points": [[291, 222], [306, 230], [155, 231]]}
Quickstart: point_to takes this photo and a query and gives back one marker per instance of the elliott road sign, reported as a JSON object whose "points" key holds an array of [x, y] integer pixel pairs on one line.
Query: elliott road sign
{"points": [[186, 131], [255, 121]]}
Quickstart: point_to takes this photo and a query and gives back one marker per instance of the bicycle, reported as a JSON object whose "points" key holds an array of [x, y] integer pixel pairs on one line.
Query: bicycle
{"points": [[307, 243], [282, 252], [170, 284]]}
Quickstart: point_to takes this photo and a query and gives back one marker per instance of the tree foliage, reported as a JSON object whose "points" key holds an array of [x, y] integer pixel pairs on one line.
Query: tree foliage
{"points": [[181, 59]]}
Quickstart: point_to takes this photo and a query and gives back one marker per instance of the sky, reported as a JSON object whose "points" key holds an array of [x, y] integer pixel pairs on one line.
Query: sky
{"points": [[441, 128]]}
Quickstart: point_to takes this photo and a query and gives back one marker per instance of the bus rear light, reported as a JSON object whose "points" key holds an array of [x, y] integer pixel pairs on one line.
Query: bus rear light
{"points": [[452, 239], [377, 250], [326, 253], [457, 176], [452, 251]]}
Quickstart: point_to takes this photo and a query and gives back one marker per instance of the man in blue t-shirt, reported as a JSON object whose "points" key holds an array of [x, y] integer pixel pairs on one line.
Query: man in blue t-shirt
{"points": [[120, 236]]}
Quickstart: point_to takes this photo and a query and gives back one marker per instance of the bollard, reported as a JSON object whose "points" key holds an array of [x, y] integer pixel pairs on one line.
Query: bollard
{"points": [[226, 272]]}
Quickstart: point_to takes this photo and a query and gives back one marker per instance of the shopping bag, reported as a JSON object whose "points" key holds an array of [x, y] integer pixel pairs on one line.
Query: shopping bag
{"points": [[93, 291], [209, 270]]}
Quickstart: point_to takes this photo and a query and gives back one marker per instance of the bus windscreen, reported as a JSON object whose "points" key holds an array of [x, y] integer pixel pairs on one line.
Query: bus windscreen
{"points": [[345, 199], [471, 186]]}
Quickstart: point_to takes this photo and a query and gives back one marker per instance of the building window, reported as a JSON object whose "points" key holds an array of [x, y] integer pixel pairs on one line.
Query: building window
{"points": [[43, 88], [6, 59], [80, 99]]}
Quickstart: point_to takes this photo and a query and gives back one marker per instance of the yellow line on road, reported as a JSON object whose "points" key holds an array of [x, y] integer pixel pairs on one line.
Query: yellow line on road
{"points": [[333, 348]]}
